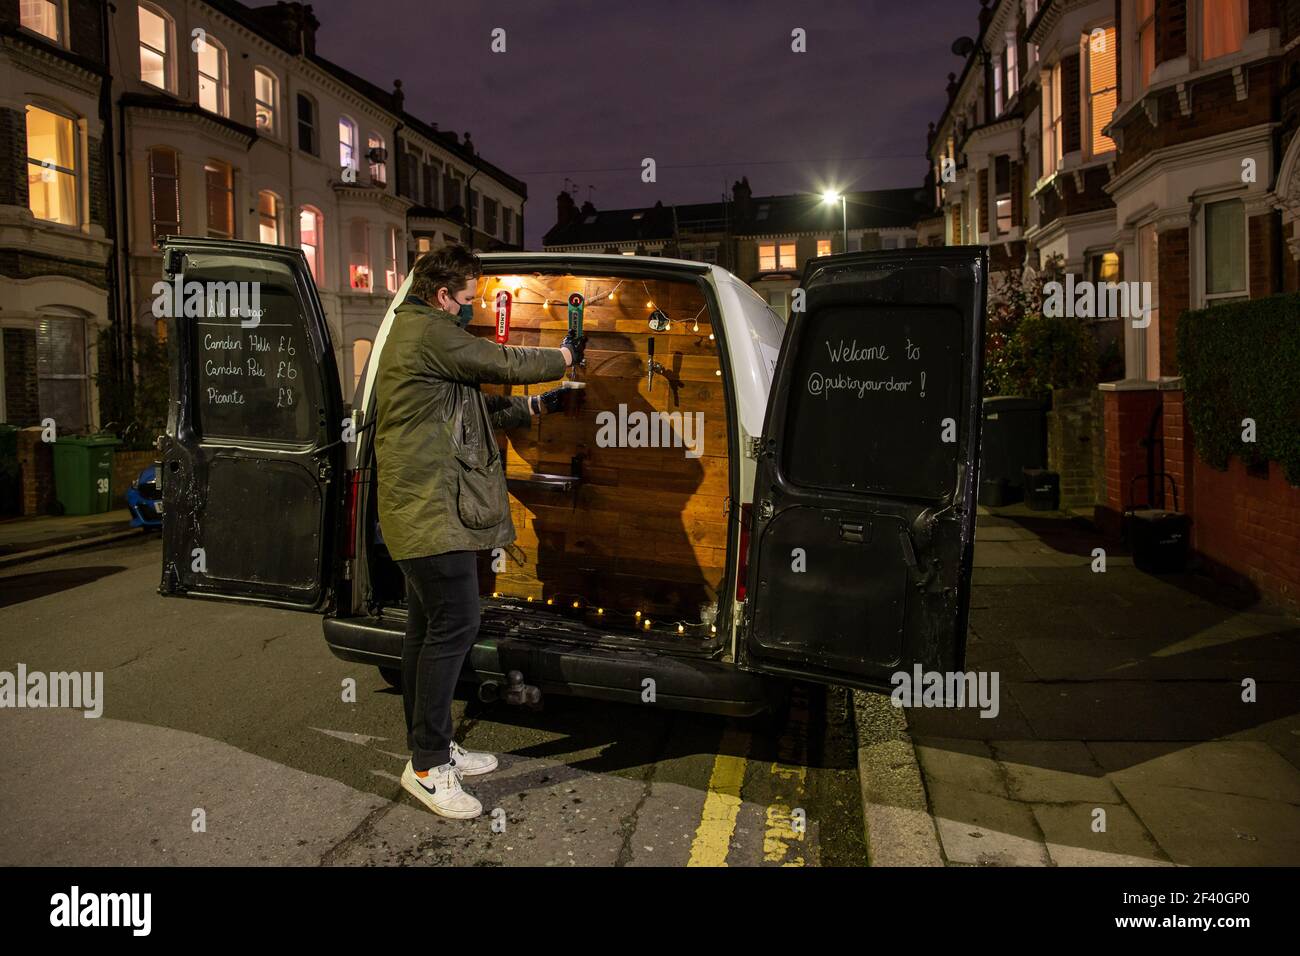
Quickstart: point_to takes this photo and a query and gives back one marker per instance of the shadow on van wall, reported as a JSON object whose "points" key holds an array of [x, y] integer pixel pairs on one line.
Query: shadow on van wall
{"points": [[630, 536]]}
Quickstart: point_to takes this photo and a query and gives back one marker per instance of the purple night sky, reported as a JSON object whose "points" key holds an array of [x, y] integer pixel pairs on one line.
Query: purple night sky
{"points": [[712, 91]]}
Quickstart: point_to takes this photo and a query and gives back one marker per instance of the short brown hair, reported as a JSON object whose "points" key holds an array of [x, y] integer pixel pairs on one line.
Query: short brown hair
{"points": [[451, 267]]}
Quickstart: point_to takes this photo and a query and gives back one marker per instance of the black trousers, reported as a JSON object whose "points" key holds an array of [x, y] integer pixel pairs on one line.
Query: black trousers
{"points": [[442, 619]]}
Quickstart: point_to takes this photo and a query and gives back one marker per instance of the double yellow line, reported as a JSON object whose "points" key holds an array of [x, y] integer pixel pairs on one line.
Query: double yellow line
{"points": [[782, 843]]}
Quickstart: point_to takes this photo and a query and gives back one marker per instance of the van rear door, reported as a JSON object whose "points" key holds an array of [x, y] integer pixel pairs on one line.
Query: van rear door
{"points": [[864, 500], [252, 462]]}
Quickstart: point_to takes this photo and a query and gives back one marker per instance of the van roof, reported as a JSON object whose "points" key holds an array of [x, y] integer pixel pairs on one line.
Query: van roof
{"points": [[601, 259]]}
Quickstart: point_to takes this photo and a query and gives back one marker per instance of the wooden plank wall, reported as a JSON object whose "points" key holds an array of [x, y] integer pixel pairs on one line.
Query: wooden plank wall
{"points": [[645, 530]]}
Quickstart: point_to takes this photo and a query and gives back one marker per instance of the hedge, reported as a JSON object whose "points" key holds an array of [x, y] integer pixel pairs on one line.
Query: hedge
{"points": [[1242, 360]]}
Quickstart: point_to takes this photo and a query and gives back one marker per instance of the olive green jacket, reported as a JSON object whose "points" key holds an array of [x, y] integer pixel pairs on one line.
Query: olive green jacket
{"points": [[442, 484]]}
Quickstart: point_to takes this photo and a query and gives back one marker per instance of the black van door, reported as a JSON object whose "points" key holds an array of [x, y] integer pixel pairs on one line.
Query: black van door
{"points": [[252, 462], [864, 500]]}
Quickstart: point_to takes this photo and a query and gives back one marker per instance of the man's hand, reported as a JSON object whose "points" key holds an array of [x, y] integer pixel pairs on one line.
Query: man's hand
{"points": [[556, 400], [576, 345]]}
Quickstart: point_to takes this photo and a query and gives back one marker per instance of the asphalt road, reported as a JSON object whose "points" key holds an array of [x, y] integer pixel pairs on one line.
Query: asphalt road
{"points": [[227, 737]]}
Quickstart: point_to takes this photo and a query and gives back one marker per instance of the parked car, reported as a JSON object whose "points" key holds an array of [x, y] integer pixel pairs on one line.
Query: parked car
{"points": [[850, 473], [144, 500]]}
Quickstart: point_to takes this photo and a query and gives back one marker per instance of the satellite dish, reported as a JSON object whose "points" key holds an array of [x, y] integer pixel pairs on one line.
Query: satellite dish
{"points": [[962, 46]]}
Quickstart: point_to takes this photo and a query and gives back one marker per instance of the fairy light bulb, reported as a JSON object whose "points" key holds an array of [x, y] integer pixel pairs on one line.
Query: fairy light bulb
{"points": [[696, 327], [638, 615], [647, 624], [611, 297], [600, 610], [710, 336], [649, 305], [550, 600], [577, 604], [496, 593], [680, 629], [713, 629], [547, 305]]}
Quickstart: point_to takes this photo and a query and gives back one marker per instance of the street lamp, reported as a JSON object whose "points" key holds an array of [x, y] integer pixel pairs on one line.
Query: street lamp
{"points": [[829, 197]]}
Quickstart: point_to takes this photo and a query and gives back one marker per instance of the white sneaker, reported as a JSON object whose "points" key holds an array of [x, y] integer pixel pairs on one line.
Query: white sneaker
{"points": [[441, 792], [472, 762]]}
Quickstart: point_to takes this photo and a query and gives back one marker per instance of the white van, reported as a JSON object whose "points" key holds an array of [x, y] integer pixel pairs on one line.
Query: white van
{"points": [[836, 546]]}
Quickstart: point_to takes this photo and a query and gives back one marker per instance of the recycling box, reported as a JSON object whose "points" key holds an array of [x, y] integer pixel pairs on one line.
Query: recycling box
{"points": [[83, 473]]}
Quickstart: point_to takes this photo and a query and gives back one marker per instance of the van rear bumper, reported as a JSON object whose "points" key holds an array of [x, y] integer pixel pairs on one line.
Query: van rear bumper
{"points": [[692, 684]]}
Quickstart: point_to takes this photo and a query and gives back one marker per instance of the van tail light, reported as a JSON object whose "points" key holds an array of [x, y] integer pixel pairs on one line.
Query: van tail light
{"points": [[742, 567], [352, 494]]}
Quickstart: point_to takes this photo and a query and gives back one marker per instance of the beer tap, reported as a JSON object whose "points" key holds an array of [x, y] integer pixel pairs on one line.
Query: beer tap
{"points": [[651, 365]]}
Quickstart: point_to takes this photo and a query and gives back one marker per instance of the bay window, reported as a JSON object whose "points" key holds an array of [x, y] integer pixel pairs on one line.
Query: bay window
{"points": [[53, 170], [1225, 251], [359, 261], [1051, 110], [311, 238], [268, 218], [1146, 47], [1223, 27], [221, 199]]}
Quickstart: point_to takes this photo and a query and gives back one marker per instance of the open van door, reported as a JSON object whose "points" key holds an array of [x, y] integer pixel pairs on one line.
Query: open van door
{"points": [[864, 498], [252, 462]]}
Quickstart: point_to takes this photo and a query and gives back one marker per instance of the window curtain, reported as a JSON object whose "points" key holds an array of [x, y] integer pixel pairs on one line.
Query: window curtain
{"points": [[1223, 27]]}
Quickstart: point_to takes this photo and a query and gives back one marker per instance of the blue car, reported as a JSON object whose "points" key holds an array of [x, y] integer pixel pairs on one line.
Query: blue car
{"points": [[145, 500]]}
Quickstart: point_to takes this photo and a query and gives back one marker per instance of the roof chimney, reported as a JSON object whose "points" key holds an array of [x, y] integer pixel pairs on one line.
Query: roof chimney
{"points": [[742, 196], [952, 87], [986, 14], [565, 211]]}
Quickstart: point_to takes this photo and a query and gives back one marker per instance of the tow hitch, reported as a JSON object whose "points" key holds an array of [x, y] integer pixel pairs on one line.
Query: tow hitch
{"points": [[515, 691]]}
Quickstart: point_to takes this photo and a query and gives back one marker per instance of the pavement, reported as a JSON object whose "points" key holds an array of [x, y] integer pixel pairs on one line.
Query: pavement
{"points": [[1143, 720], [41, 536]]}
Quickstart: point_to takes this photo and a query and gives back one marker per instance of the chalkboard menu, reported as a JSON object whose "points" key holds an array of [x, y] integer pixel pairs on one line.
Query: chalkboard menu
{"points": [[871, 391], [254, 375]]}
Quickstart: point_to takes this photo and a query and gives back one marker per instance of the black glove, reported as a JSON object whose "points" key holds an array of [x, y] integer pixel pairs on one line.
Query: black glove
{"points": [[557, 399], [577, 346]]}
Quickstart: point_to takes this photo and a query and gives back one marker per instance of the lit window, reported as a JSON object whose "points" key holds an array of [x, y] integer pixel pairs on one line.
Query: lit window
{"points": [[359, 263], [164, 194], [311, 239], [1051, 120], [221, 200], [1223, 27], [423, 245], [268, 218], [44, 17], [360, 356], [347, 143], [773, 256], [1146, 21], [378, 159], [1100, 89], [785, 252], [264, 99], [766, 257], [823, 247], [1225, 250], [1105, 267], [52, 167], [214, 86], [392, 279], [307, 125], [155, 48]]}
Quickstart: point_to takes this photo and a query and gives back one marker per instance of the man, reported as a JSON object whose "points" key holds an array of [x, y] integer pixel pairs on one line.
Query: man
{"points": [[442, 496]]}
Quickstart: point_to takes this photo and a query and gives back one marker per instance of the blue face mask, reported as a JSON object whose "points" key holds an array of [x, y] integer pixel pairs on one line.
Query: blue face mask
{"points": [[465, 315]]}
